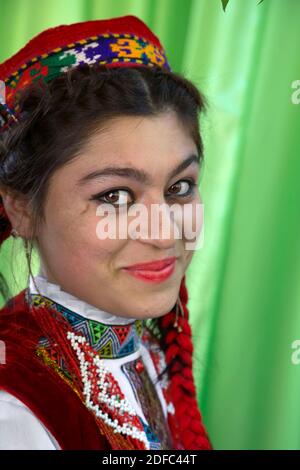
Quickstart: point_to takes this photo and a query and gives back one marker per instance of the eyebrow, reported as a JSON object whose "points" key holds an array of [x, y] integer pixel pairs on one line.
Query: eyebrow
{"points": [[135, 174]]}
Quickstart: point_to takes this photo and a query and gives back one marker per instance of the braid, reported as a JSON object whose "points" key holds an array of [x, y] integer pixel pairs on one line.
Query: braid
{"points": [[179, 346]]}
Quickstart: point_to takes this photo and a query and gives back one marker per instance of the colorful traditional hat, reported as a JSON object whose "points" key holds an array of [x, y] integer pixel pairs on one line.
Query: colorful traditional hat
{"points": [[116, 42]]}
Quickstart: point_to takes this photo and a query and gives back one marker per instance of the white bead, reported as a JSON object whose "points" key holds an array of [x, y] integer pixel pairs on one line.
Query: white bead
{"points": [[102, 371]]}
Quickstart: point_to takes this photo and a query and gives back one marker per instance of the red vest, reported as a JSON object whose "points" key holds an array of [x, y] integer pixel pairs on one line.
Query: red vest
{"points": [[52, 401]]}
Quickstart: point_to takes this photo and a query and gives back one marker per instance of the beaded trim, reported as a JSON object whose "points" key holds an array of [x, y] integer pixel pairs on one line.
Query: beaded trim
{"points": [[115, 410]]}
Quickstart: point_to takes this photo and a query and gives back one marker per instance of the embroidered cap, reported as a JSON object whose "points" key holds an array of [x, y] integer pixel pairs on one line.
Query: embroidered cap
{"points": [[116, 42]]}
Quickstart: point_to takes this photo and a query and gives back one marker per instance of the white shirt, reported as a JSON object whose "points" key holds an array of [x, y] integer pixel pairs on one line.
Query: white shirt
{"points": [[20, 429]]}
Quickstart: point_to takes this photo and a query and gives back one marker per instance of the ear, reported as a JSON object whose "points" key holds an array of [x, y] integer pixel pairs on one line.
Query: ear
{"points": [[18, 211]]}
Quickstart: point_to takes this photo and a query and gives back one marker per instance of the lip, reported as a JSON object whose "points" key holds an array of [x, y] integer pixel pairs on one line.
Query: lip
{"points": [[167, 267], [152, 265]]}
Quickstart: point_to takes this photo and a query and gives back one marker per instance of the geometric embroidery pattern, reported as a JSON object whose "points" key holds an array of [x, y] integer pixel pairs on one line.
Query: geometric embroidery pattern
{"points": [[110, 341], [103, 49]]}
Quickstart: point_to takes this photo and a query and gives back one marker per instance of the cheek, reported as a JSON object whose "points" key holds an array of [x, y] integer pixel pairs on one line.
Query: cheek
{"points": [[89, 251], [70, 237], [63, 235]]}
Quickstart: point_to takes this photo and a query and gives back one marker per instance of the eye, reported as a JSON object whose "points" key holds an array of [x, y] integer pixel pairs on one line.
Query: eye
{"points": [[183, 188], [116, 197]]}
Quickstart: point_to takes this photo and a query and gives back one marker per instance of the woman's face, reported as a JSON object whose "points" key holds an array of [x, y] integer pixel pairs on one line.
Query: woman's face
{"points": [[90, 266]]}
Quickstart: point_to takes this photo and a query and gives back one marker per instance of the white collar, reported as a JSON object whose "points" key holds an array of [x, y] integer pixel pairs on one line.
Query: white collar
{"points": [[55, 293]]}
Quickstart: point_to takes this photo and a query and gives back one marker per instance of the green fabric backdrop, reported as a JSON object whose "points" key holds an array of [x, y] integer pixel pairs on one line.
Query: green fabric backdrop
{"points": [[243, 283]]}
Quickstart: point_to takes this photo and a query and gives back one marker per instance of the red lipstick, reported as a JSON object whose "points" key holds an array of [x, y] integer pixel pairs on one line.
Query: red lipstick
{"points": [[155, 271]]}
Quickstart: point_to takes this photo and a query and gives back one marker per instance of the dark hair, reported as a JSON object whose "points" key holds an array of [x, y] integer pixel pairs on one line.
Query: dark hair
{"points": [[58, 117]]}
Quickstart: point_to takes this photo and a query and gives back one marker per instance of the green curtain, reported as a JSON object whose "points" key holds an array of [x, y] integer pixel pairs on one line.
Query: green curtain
{"points": [[244, 298]]}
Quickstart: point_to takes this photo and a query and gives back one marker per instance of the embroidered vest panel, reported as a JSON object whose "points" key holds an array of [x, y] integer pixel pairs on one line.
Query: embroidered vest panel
{"points": [[52, 401]]}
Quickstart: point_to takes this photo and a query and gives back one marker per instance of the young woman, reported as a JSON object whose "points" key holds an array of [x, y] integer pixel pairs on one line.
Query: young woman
{"points": [[98, 347]]}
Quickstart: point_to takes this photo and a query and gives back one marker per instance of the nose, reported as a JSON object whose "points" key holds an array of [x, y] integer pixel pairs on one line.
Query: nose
{"points": [[157, 227]]}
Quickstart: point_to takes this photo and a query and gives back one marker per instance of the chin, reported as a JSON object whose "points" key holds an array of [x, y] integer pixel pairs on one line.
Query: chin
{"points": [[156, 312]]}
